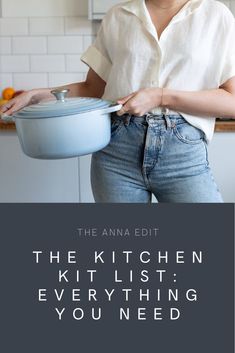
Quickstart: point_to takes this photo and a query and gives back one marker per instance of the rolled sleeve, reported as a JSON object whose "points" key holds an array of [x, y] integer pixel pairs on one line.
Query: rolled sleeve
{"points": [[229, 69], [97, 62], [97, 57]]}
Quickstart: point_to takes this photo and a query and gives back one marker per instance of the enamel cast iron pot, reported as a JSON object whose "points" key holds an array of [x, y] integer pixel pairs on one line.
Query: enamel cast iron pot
{"points": [[65, 127]]}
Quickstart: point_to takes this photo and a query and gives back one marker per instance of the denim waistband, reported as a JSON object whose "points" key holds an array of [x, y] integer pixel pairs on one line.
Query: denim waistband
{"points": [[158, 118]]}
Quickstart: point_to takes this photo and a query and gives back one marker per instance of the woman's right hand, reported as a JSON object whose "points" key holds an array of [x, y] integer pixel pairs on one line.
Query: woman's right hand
{"points": [[17, 103]]}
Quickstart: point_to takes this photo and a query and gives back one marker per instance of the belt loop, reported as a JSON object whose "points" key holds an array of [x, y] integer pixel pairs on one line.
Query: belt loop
{"points": [[168, 121], [148, 116], [127, 119]]}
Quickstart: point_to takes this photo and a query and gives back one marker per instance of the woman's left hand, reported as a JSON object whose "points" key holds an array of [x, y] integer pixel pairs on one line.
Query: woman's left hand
{"points": [[141, 102]]}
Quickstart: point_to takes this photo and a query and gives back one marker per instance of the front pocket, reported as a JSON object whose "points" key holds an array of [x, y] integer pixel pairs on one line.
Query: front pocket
{"points": [[188, 133], [116, 126]]}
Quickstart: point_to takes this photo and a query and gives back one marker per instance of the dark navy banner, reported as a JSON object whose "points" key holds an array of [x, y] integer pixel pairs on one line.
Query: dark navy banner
{"points": [[117, 278]]}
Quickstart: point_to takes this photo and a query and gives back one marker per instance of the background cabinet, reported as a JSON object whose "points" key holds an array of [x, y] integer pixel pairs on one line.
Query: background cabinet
{"points": [[35, 8], [23, 179], [98, 8]]}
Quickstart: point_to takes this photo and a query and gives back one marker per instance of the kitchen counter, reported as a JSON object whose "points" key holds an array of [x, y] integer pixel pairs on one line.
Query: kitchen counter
{"points": [[225, 126], [221, 126], [8, 126]]}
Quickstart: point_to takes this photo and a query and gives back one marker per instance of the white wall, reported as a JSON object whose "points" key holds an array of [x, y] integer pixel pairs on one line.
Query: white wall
{"points": [[41, 42], [43, 51]]}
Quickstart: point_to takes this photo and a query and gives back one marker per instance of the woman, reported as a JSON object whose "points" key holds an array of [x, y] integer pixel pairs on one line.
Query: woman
{"points": [[173, 64]]}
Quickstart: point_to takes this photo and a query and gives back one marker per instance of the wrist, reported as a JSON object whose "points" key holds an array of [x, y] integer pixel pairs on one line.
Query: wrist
{"points": [[37, 95], [168, 99]]}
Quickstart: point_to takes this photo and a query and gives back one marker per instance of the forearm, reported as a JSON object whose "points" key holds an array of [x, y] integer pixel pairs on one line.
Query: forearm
{"points": [[212, 103], [82, 89]]}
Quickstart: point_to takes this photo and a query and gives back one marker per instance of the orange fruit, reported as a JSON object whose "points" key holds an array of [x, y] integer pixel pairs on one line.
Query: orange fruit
{"points": [[8, 93]]}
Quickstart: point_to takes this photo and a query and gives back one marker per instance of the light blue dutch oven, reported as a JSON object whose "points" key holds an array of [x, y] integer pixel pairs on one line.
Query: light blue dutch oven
{"points": [[65, 127]]}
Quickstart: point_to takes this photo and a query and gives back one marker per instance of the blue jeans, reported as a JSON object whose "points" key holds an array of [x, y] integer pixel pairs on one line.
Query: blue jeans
{"points": [[160, 155]]}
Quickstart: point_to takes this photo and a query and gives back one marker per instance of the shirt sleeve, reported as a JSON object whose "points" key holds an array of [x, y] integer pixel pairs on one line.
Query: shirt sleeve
{"points": [[97, 57], [228, 69]]}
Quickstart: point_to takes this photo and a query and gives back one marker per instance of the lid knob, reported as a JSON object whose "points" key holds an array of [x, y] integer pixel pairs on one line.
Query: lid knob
{"points": [[60, 94]]}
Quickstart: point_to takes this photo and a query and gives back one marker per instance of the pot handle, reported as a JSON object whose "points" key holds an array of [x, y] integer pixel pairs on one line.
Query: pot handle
{"points": [[60, 94], [112, 109], [7, 118]]}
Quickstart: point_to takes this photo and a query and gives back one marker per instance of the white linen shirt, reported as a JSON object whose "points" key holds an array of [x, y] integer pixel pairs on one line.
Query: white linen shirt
{"points": [[196, 51]]}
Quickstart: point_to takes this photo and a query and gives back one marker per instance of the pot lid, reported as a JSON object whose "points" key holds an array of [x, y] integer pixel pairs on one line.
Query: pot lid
{"points": [[62, 106]]}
